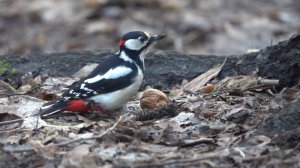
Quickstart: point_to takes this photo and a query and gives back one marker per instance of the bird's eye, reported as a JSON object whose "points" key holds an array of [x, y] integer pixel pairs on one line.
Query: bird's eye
{"points": [[142, 38]]}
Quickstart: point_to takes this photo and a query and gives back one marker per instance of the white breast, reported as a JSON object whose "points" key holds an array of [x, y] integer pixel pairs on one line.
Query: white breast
{"points": [[117, 99]]}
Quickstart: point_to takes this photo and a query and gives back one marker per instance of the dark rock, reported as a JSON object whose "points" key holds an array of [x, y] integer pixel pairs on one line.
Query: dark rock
{"points": [[239, 65], [283, 126], [281, 61], [167, 68]]}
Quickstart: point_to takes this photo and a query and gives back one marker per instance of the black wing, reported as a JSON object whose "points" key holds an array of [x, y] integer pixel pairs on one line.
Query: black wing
{"points": [[84, 89]]}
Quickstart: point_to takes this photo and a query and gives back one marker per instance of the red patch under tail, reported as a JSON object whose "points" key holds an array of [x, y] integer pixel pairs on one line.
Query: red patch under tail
{"points": [[77, 106]]}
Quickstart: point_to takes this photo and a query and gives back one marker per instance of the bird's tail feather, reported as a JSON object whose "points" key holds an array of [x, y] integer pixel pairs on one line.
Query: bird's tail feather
{"points": [[53, 107]]}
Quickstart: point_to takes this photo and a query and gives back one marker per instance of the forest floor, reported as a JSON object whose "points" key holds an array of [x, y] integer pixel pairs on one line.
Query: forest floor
{"points": [[235, 111], [209, 121]]}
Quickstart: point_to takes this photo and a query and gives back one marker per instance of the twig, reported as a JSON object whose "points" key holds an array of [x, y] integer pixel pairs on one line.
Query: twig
{"points": [[119, 136], [185, 162], [11, 121], [292, 150], [264, 84], [94, 137], [259, 88], [272, 82], [259, 158], [197, 142]]}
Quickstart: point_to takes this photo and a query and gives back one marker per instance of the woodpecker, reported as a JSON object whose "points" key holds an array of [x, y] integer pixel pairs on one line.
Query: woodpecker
{"points": [[112, 83]]}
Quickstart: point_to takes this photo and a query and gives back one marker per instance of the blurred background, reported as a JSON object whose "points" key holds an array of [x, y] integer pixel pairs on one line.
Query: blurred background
{"points": [[219, 27]]}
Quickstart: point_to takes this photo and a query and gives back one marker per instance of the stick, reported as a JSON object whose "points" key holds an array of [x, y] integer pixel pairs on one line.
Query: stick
{"points": [[272, 82], [11, 121], [188, 161], [197, 142]]}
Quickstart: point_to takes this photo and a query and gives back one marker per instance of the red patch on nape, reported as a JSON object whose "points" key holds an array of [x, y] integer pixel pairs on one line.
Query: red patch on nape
{"points": [[77, 106], [121, 42]]}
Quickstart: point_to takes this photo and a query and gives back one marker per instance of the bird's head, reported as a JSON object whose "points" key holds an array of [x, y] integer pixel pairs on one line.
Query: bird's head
{"points": [[138, 41]]}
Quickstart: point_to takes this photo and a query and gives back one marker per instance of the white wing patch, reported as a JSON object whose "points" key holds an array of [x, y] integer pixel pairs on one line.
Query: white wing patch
{"points": [[111, 74], [82, 87]]}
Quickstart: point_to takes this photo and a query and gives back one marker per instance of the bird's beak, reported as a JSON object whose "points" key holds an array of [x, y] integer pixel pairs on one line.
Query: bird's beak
{"points": [[157, 37]]}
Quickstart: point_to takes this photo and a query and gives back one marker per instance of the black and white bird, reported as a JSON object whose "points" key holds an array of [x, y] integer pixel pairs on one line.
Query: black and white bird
{"points": [[112, 83]]}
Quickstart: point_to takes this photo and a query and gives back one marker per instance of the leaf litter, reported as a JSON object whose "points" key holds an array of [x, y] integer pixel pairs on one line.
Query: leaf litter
{"points": [[194, 128]]}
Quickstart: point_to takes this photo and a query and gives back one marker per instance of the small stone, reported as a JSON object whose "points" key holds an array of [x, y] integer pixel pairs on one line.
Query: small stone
{"points": [[238, 115]]}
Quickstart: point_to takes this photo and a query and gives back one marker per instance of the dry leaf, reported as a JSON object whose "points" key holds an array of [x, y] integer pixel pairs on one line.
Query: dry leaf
{"points": [[57, 85], [33, 123], [240, 82], [22, 106], [5, 88], [84, 71], [75, 157], [41, 150], [197, 83], [290, 93]]}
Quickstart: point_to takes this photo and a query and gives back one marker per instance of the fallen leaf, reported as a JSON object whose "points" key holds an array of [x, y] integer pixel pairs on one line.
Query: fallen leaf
{"points": [[108, 153], [290, 93], [5, 89], [197, 83], [74, 158], [239, 82], [57, 85], [33, 123], [84, 71], [41, 150], [186, 119], [15, 139], [21, 105], [238, 115]]}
